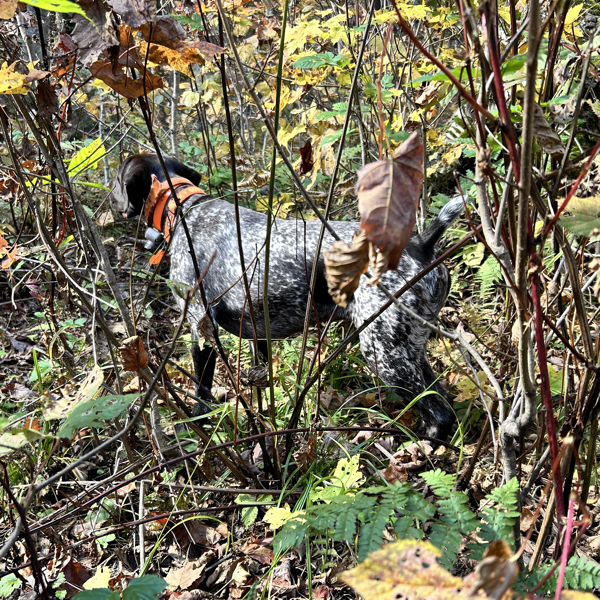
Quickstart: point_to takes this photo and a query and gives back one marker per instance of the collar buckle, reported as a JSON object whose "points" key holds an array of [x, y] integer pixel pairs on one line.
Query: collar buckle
{"points": [[154, 239]]}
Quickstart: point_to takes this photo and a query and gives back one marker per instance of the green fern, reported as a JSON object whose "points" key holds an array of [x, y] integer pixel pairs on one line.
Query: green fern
{"points": [[441, 483], [499, 518], [456, 518], [371, 534], [488, 274], [581, 574], [448, 540], [374, 508], [363, 518]]}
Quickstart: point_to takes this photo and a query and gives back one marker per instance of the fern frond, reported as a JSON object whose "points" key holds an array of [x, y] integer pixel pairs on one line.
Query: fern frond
{"points": [[405, 531], [500, 517], [488, 274], [581, 574], [454, 511], [290, 535], [371, 533], [441, 483], [448, 539]]}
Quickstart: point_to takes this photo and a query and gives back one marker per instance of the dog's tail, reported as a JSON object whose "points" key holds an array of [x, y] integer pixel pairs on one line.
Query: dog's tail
{"points": [[430, 237]]}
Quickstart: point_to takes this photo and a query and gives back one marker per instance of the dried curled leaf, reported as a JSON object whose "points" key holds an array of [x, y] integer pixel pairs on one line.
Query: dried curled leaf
{"points": [[133, 354], [344, 264], [546, 136], [496, 573], [388, 194], [123, 84], [206, 330]]}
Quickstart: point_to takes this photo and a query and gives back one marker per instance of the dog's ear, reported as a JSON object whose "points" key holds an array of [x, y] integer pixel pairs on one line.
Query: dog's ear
{"points": [[138, 181], [131, 185], [181, 170]]}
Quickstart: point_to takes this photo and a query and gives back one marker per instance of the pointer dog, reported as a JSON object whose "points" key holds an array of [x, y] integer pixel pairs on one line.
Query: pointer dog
{"points": [[394, 345]]}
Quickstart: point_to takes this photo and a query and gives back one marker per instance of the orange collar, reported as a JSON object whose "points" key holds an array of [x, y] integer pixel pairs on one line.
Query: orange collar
{"points": [[160, 198]]}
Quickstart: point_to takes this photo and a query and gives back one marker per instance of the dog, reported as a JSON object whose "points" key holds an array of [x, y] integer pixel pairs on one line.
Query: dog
{"points": [[394, 345]]}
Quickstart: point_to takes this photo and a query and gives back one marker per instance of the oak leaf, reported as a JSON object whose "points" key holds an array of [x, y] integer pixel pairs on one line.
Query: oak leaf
{"points": [[133, 354], [388, 195]]}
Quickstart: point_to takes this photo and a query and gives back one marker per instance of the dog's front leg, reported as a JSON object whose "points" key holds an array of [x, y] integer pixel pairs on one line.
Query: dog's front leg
{"points": [[204, 360]]}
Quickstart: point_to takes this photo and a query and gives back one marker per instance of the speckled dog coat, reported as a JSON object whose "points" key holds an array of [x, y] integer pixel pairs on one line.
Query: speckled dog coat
{"points": [[394, 345]]}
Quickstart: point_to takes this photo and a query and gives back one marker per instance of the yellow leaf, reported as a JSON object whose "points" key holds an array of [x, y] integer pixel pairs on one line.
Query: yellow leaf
{"points": [[189, 99], [504, 13], [573, 595], [98, 83], [277, 517], [416, 11], [87, 157], [572, 15], [284, 136], [385, 16], [405, 569], [99, 580], [452, 155], [13, 82], [434, 138], [281, 205]]}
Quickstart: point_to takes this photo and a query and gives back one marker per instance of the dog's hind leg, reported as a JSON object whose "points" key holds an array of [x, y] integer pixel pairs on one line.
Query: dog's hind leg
{"points": [[204, 360]]}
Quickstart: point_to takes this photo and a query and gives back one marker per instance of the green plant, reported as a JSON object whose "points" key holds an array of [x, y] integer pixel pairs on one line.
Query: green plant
{"points": [[404, 509], [488, 274]]}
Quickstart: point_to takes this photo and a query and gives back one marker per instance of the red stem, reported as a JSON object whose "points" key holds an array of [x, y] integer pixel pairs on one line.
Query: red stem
{"points": [[566, 548], [507, 124], [545, 388]]}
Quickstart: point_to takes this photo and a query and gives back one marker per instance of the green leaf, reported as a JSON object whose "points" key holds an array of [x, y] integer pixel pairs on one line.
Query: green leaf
{"points": [[584, 217], [404, 529], [249, 515], [334, 137], [313, 61], [290, 535], [371, 535], [59, 6], [448, 539], [556, 380], [8, 585], [97, 594], [146, 587], [488, 274], [514, 64], [442, 483], [92, 413]]}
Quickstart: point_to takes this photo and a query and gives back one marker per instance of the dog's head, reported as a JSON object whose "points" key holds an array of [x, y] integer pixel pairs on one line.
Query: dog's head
{"points": [[131, 185]]}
